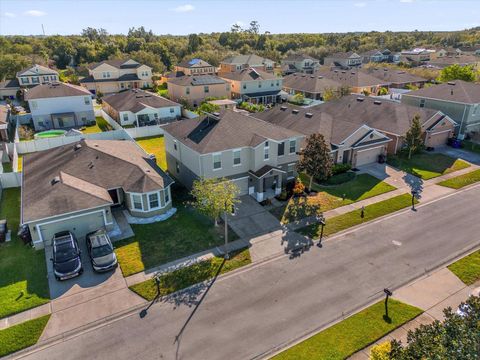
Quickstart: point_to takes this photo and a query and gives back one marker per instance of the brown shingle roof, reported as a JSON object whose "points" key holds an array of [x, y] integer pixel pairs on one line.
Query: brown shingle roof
{"points": [[251, 59], [136, 100], [392, 75], [227, 131], [193, 63], [55, 90], [37, 70], [454, 91], [84, 175], [249, 74], [309, 83], [116, 63], [196, 80], [351, 78]]}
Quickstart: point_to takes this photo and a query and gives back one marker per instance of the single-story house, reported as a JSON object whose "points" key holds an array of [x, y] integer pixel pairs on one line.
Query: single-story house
{"points": [[357, 80], [310, 86], [75, 187], [139, 107], [398, 79]]}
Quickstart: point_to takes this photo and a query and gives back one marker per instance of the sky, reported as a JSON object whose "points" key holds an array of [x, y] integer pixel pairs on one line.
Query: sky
{"points": [[22, 17]]}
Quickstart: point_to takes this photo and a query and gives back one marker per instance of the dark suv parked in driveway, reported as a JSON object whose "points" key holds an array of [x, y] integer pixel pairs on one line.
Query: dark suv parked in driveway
{"points": [[66, 256], [101, 252]]}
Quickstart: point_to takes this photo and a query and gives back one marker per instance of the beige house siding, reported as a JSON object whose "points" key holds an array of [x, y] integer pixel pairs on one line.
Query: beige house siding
{"points": [[197, 94]]}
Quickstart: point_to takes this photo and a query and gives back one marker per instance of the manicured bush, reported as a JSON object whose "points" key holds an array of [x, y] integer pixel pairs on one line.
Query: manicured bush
{"points": [[381, 351], [299, 188], [340, 178], [340, 168]]}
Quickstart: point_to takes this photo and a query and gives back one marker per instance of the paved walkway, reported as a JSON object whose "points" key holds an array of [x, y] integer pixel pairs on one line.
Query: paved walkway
{"points": [[432, 294], [25, 316]]}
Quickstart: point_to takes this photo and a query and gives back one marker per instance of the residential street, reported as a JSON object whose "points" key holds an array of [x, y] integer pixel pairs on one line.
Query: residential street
{"points": [[246, 314]]}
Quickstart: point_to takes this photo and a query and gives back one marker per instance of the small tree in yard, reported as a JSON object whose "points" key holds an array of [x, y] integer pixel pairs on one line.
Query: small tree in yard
{"points": [[315, 159], [214, 196], [413, 138]]}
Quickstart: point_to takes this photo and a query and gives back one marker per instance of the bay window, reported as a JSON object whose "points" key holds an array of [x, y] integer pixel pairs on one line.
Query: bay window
{"points": [[137, 202]]}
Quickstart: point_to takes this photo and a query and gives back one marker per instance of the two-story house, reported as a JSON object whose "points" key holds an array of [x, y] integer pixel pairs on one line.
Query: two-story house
{"points": [[254, 85], [415, 56], [343, 59], [299, 63], [27, 78], [60, 106], [140, 108], [195, 89], [257, 155], [373, 56], [194, 67], [458, 99], [240, 62], [112, 76]]}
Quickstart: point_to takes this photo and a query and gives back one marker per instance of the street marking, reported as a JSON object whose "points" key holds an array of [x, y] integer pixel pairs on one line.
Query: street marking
{"points": [[396, 243]]}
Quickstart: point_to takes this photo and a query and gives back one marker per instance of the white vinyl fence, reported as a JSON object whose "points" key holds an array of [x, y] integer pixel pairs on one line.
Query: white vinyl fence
{"points": [[9, 180], [144, 131], [111, 121]]}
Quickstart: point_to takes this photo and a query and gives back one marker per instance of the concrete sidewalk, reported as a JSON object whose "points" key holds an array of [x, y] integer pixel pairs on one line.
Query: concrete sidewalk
{"points": [[26, 315], [432, 294]]}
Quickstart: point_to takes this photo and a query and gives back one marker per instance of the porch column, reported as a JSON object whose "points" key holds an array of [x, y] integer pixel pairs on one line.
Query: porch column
{"points": [[136, 119], [278, 188]]}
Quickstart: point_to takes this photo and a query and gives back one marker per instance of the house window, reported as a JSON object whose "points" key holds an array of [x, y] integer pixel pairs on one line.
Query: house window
{"points": [[205, 89], [172, 110], [175, 144], [259, 84], [187, 91], [236, 157], [281, 149], [106, 75], [25, 80], [244, 86], [278, 83], [217, 161], [53, 77], [87, 100], [153, 201], [45, 78], [290, 171], [293, 146], [145, 84], [137, 202], [122, 85], [155, 115], [228, 87], [266, 154], [167, 195], [35, 80], [422, 103]]}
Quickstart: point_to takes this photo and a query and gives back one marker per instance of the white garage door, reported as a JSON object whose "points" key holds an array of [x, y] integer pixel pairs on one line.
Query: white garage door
{"points": [[368, 156], [80, 226], [242, 185]]}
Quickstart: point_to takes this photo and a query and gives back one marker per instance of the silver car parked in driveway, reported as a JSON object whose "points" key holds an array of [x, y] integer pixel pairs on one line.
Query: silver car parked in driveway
{"points": [[101, 252]]}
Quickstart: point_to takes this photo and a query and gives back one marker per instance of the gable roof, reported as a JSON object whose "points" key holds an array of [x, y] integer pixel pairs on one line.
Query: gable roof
{"points": [[193, 63], [249, 74], [196, 80], [37, 70], [251, 60], [299, 57], [77, 176], [309, 83], [9, 84], [51, 90], [393, 75], [371, 53], [228, 130], [135, 100], [117, 63], [351, 78], [344, 55], [454, 91]]}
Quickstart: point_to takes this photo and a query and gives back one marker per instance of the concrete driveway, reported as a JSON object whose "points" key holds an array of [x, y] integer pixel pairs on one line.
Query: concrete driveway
{"points": [[252, 219]]}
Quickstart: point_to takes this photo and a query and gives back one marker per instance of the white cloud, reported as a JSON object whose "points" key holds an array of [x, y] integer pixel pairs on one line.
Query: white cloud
{"points": [[35, 13], [406, 1], [360, 4], [9, 15], [184, 8]]}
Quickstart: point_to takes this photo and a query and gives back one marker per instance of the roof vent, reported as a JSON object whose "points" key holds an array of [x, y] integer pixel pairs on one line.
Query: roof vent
{"points": [[377, 102], [217, 114], [353, 72], [295, 111], [55, 180], [451, 83], [320, 77], [303, 75], [308, 115], [343, 71], [283, 108], [90, 165], [360, 99], [77, 147]]}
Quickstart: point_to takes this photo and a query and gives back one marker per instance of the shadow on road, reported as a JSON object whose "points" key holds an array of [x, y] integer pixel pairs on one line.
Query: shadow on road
{"points": [[296, 244]]}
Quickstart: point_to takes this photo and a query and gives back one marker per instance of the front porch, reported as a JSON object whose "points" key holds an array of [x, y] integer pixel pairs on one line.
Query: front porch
{"points": [[265, 183]]}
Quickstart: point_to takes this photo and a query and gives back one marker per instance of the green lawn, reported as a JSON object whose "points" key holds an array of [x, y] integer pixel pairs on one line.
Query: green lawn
{"points": [[101, 125], [22, 335], [352, 218], [191, 275], [23, 272], [460, 181], [352, 334], [427, 166], [185, 233], [468, 268], [362, 187], [471, 146], [155, 145]]}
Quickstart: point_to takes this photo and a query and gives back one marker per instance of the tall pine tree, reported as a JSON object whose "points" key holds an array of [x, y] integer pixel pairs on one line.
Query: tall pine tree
{"points": [[315, 159]]}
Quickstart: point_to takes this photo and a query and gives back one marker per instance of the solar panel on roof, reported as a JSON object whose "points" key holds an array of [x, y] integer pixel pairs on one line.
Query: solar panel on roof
{"points": [[194, 61]]}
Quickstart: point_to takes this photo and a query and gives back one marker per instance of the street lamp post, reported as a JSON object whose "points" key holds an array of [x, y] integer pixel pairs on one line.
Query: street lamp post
{"points": [[226, 256], [362, 212], [321, 221], [414, 194], [388, 293]]}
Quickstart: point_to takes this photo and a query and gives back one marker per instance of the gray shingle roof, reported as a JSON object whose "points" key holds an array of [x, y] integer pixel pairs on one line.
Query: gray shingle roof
{"points": [[117, 63], [37, 70], [251, 59], [197, 80], [55, 90], [85, 175], [135, 100], [351, 78], [392, 75], [229, 130], [309, 83], [455, 91]]}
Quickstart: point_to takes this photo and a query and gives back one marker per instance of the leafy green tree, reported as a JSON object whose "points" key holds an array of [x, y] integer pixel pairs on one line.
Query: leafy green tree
{"points": [[194, 42], [457, 72], [413, 138], [457, 337], [10, 64], [298, 98], [214, 196], [206, 107], [315, 159]]}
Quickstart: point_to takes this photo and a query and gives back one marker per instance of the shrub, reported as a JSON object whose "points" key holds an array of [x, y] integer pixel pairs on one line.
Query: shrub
{"points": [[383, 91], [253, 108], [25, 132], [340, 178], [299, 188], [381, 351], [340, 168]]}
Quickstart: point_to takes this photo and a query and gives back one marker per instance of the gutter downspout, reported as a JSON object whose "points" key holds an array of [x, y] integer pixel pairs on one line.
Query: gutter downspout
{"points": [[463, 118]]}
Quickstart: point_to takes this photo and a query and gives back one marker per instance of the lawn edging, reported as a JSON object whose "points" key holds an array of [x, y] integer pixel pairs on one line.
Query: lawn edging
{"points": [[461, 181], [355, 332], [22, 335], [353, 218], [185, 277]]}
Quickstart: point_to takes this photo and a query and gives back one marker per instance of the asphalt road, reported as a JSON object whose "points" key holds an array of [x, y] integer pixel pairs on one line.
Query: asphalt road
{"points": [[245, 315]]}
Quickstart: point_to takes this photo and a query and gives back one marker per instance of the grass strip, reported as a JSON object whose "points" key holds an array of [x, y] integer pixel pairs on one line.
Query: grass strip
{"points": [[20, 336], [461, 181], [467, 269]]}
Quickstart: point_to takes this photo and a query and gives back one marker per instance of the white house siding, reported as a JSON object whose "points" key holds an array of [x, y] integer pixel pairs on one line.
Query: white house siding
{"points": [[164, 113], [252, 86]]}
